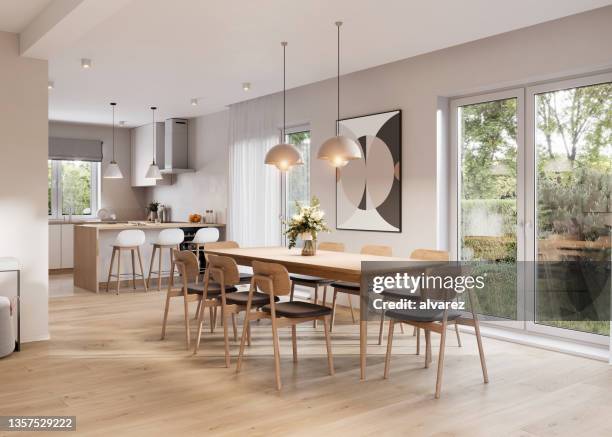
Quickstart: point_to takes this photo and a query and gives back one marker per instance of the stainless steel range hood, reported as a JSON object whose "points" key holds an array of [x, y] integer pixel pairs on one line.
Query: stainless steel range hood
{"points": [[176, 147]]}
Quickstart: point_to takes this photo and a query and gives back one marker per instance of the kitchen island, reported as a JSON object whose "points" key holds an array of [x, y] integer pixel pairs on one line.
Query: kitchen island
{"points": [[93, 248]]}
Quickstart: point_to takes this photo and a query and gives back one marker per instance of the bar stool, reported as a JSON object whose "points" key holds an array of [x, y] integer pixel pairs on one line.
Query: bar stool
{"points": [[203, 236], [127, 240], [167, 239]]}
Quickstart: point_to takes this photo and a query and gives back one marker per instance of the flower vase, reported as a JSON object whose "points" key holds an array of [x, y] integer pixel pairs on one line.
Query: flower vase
{"points": [[310, 245]]}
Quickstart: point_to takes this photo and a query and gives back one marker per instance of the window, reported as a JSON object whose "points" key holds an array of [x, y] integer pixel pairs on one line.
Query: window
{"points": [[73, 188], [298, 179]]}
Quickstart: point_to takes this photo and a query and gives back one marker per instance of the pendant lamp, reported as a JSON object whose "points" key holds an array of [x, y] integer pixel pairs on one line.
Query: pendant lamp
{"points": [[112, 170], [153, 171], [284, 156], [339, 150]]}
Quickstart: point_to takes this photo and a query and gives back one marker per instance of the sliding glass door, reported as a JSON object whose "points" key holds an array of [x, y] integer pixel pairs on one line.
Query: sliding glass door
{"points": [[533, 180]]}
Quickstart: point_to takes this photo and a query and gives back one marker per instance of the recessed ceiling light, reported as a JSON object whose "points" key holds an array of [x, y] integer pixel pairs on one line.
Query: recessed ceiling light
{"points": [[122, 123], [85, 63], [246, 86], [51, 85], [194, 102]]}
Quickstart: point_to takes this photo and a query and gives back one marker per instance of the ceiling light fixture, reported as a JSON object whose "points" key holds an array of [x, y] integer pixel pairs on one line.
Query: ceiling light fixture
{"points": [[194, 102], [85, 63], [283, 155], [153, 171], [122, 123], [50, 85], [112, 169], [246, 86], [339, 150]]}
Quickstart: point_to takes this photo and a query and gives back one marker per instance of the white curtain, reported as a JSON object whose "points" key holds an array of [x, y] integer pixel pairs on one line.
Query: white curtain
{"points": [[254, 187]]}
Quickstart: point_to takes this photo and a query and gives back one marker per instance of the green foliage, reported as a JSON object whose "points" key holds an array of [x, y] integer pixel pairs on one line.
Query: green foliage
{"points": [[76, 187], [309, 219]]}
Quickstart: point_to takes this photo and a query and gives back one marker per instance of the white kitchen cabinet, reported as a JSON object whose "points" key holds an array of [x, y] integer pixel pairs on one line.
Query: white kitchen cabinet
{"points": [[67, 246], [142, 154], [55, 246]]}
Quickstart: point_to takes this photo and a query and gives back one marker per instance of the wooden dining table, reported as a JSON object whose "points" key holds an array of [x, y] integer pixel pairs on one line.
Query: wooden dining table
{"points": [[339, 266]]}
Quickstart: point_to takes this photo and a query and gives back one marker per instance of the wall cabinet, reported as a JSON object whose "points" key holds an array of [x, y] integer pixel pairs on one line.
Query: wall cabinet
{"points": [[61, 246], [142, 154]]}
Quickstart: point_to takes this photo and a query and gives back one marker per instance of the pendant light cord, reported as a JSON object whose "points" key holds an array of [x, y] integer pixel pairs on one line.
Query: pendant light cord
{"points": [[153, 108], [113, 105], [284, 44], [338, 24]]}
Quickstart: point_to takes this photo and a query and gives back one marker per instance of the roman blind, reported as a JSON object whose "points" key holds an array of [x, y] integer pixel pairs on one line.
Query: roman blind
{"points": [[72, 149]]}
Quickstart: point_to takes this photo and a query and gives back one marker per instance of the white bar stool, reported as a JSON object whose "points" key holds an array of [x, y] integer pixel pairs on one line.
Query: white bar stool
{"points": [[167, 239], [203, 236], [127, 240]]}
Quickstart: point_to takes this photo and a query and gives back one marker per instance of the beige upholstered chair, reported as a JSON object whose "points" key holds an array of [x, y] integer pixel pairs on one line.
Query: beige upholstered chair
{"points": [[273, 280]]}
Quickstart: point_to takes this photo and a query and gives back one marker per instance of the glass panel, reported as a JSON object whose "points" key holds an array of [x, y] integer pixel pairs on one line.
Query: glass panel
{"points": [[573, 139], [298, 179], [488, 172], [76, 186]]}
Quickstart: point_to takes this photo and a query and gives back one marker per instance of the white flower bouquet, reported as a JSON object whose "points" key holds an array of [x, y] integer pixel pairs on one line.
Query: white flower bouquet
{"points": [[306, 223]]}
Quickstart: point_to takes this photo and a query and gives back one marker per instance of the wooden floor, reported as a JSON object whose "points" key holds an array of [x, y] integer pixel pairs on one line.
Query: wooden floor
{"points": [[106, 365]]}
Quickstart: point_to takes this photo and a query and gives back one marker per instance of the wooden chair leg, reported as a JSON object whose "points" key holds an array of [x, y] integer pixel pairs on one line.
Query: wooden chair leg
{"points": [[245, 329], [187, 327], [324, 303], [389, 348], [294, 342], [110, 269], [133, 269], [330, 357], [163, 333], [234, 327], [427, 348], [380, 330], [159, 268], [225, 317], [414, 331], [441, 361], [151, 266], [248, 334], [483, 364], [333, 314], [402, 328], [202, 307], [276, 354], [316, 299], [142, 275], [351, 307], [292, 291], [417, 332], [197, 313], [212, 312], [458, 337], [118, 271]]}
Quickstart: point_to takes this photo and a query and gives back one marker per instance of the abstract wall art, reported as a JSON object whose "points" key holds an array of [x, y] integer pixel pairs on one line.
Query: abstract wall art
{"points": [[369, 190]]}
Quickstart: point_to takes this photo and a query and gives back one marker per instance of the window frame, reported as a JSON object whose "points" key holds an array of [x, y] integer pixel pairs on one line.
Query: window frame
{"points": [[57, 192]]}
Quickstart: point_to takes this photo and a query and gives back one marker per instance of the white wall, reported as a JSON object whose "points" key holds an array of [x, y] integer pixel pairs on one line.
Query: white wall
{"points": [[572, 45], [127, 202], [207, 187], [23, 181]]}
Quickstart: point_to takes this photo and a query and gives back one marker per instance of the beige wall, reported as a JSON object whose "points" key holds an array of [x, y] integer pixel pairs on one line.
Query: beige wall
{"points": [[23, 180], [117, 194], [557, 49]]}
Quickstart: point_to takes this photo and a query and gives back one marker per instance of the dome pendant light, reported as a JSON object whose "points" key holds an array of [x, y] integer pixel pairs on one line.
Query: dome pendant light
{"points": [[112, 170], [284, 156], [153, 171], [339, 150]]}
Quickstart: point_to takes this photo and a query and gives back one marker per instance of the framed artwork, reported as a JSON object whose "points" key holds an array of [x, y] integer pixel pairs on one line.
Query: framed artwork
{"points": [[369, 190]]}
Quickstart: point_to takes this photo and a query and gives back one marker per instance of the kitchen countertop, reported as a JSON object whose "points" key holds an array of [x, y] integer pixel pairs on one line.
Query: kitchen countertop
{"points": [[147, 225]]}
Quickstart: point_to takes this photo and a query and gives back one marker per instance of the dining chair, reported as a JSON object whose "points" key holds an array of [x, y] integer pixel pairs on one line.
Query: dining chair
{"points": [[189, 288], [416, 255], [436, 320], [352, 288], [273, 280], [222, 274], [316, 282]]}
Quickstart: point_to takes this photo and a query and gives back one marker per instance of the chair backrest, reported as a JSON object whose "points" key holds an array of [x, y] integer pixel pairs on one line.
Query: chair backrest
{"points": [[206, 235], [373, 249], [221, 245], [223, 265], [331, 246], [277, 273], [187, 263], [430, 255], [171, 236], [130, 238]]}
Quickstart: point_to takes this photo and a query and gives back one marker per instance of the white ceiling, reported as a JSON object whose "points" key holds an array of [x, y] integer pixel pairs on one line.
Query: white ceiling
{"points": [[163, 53], [16, 14]]}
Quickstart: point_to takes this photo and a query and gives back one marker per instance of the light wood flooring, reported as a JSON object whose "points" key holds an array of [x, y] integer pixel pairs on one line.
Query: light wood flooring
{"points": [[106, 365]]}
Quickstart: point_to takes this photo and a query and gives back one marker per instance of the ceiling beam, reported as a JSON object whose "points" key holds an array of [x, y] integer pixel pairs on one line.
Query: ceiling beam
{"points": [[63, 22]]}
